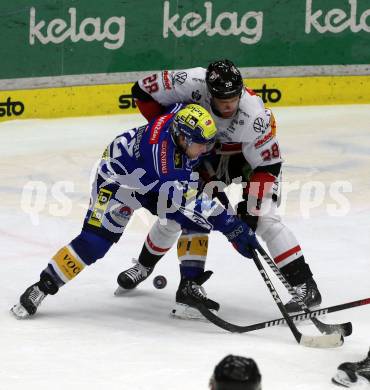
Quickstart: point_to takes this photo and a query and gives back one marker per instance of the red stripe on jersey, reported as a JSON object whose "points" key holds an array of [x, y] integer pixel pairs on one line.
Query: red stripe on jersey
{"points": [[250, 91], [259, 184], [149, 109], [231, 147], [155, 248], [285, 255], [157, 126]]}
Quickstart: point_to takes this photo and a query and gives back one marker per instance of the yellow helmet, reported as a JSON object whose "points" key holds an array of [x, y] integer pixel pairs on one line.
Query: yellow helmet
{"points": [[196, 124]]}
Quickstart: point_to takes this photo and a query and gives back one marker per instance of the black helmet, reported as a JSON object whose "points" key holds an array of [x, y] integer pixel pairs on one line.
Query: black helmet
{"points": [[236, 373], [224, 79]]}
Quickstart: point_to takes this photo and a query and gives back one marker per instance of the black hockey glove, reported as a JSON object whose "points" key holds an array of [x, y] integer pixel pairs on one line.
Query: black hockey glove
{"points": [[242, 213]]}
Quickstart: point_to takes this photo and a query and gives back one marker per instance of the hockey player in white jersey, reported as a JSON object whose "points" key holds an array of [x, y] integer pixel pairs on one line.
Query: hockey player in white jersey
{"points": [[248, 148]]}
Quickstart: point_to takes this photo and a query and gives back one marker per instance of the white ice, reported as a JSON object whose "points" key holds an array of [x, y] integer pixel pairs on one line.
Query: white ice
{"points": [[84, 337]]}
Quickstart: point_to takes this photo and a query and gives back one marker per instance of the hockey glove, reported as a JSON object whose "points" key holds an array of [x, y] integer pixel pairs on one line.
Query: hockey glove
{"points": [[242, 238], [243, 214]]}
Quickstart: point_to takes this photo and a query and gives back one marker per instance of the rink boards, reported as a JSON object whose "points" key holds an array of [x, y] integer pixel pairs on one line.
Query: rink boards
{"points": [[91, 100]]}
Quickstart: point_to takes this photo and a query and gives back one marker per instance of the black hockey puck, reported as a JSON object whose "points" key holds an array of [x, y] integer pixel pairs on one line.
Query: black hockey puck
{"points": [[160, 282]]}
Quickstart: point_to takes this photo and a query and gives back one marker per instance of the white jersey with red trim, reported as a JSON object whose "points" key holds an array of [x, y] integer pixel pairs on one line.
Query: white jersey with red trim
{"points": [[252, 125]]}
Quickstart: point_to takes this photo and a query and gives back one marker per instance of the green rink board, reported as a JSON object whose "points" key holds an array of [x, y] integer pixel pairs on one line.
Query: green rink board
{"points": [[71, 37]]}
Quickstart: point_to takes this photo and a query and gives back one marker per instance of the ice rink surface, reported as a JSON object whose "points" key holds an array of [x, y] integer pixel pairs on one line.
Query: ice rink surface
{"points": [[85, 338]]}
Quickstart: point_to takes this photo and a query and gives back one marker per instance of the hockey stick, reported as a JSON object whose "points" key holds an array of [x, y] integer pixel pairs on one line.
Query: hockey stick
{"points": [[279, 321], [324, 341], [345, 329]]}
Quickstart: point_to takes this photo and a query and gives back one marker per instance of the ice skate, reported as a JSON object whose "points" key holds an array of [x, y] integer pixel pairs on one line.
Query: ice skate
{"points": [[356, 374], [29, 301], [308, 293], [188, 294], [132, 277]]}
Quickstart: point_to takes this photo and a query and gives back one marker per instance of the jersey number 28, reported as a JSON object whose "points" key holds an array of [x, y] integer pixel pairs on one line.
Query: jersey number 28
{"points": [[269, 154], [150, 83]]}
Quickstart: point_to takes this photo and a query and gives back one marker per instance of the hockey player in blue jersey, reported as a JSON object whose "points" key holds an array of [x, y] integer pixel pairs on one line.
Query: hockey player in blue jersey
{"points": [[150, 166]]}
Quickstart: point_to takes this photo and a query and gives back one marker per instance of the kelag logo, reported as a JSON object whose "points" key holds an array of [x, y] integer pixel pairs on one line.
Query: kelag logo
{"points": [[248, 26], [336, 20], [88, 30], [268, 95], [10, 108]]}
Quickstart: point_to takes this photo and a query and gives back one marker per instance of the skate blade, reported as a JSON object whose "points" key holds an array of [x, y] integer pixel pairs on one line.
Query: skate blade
{"points": [[19, 312], [185, 312], [120, 292], [342, 379]]}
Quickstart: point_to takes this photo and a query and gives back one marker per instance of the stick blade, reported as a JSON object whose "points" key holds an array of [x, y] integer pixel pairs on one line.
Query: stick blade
{"points": [[326, 341], [344, 329]]}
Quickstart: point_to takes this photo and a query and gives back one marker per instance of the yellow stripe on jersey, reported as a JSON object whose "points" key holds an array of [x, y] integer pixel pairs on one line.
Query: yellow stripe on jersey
{"points": [[273, 124], [100, 207], [194, 245], [68, 263]]}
